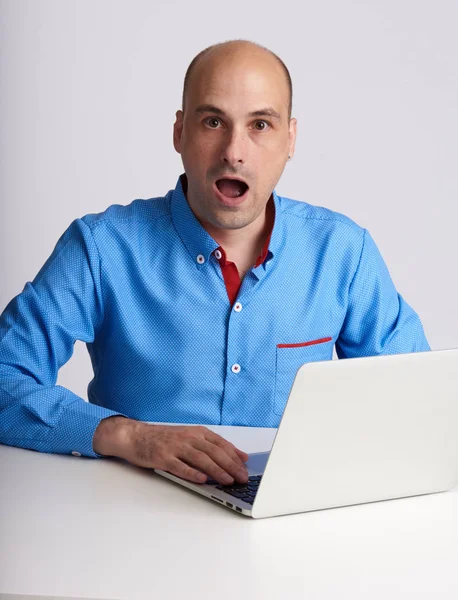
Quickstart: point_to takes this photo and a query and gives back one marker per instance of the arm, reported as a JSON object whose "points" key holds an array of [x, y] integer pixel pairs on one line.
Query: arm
{"points": [[38, 330], [378, 319]]}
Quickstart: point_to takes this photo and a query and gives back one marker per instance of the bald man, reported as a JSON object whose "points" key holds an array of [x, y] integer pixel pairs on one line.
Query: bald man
{"points": [[198, 306]]}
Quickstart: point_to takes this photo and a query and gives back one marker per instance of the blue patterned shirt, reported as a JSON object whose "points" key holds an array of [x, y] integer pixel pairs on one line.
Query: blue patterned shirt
{"points": [[142, 287]]}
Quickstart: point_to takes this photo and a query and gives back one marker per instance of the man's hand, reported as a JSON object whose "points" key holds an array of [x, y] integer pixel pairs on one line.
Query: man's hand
{"points": [[191, 452]]}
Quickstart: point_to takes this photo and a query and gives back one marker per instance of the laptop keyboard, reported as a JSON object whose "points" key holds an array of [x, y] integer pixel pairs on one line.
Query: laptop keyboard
{"points": [[243, 491]]}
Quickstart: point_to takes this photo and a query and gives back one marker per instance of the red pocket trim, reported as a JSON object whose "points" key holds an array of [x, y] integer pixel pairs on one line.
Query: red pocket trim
{"points": [[320, 341]]}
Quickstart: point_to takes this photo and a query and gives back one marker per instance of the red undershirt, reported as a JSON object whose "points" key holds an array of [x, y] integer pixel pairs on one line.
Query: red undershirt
{"points": [[230, 273]]}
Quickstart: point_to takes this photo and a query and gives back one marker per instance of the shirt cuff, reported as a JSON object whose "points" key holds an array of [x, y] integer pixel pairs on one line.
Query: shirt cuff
{"points": [[75, 430]]}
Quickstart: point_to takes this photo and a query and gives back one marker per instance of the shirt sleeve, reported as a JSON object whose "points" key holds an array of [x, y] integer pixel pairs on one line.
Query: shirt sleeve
{"points": [[38, 330], [378, 320]]}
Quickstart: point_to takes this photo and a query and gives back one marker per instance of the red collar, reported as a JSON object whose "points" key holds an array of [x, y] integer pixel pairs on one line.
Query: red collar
{"points": [[229, 269]]}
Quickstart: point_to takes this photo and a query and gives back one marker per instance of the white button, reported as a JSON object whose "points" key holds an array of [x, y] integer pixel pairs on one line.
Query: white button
{"points": [[238, 306], [235, 368], [218, 254], [200, 259], [75, 453]]}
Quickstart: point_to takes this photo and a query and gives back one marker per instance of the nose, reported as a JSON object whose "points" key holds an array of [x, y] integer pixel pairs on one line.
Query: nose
{"points": [[234, 148]]}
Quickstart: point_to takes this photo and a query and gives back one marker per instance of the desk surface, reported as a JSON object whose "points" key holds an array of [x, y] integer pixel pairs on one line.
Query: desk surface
{"points": [[106, 529]]}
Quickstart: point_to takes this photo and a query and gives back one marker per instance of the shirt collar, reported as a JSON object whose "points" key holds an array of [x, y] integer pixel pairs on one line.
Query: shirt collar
{"points": [[199, 242]]}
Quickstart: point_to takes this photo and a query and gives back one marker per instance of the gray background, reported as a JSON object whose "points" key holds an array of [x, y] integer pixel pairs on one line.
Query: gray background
{"points": [[89, 91]]}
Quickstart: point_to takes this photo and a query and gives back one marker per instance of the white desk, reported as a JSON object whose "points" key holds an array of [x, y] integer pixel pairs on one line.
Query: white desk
{"points": [[105, 529]]}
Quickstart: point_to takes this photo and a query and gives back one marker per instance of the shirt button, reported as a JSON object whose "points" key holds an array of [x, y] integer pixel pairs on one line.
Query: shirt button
{"points": [[75, 453], [238, 306], [200, 259], [235, 368], [218, 254]]}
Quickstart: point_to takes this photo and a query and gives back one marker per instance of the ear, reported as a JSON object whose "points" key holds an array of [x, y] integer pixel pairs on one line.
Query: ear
{"points": [[292, 136], [177, 131]]}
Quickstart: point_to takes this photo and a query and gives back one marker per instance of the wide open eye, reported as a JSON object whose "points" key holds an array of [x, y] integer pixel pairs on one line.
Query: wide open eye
{"points": [[265, 124], [211, 122]]}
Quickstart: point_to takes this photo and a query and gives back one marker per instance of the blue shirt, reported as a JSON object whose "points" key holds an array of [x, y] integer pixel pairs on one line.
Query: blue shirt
{"points": [[141, 286]]}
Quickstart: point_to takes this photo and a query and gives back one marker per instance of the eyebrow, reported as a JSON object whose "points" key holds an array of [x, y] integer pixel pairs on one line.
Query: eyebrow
{"points": [[263, 112]]}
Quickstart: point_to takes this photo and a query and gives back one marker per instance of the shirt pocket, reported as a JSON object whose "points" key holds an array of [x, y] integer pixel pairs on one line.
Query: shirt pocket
{"points": [[289, 358]]}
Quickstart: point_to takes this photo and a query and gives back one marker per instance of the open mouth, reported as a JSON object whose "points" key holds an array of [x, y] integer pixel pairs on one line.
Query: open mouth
{"points": [[232, 188]]}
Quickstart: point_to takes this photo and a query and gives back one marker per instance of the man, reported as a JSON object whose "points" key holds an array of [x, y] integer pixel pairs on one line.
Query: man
{"points": [[199, 306]]}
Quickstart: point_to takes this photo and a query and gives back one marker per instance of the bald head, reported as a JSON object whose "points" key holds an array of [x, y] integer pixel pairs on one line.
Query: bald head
{"points": [[235, 121], [233, 50]]}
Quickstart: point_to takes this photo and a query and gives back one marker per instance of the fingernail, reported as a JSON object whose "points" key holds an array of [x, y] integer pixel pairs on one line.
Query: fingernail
{"points": [[226, 478]]}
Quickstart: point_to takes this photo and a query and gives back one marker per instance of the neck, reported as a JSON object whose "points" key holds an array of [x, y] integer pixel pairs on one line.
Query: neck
{"points": [[243, 246], [253, 235]]}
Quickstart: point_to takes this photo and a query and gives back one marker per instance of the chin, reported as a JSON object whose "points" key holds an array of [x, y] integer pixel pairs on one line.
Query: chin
{"points": [[233, 220]]}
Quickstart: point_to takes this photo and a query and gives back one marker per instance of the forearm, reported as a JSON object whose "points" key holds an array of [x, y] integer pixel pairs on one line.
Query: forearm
{"points": [[46, 418]]}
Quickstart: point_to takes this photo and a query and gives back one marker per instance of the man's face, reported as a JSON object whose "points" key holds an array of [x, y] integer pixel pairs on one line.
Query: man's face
{"points": [[221, 136]]}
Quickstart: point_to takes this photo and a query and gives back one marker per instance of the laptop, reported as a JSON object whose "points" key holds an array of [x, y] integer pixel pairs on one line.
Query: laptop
{"points": [[354, 431]]}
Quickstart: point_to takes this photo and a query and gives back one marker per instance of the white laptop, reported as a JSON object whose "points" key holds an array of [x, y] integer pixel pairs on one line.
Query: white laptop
{"points": [[355, 431]]}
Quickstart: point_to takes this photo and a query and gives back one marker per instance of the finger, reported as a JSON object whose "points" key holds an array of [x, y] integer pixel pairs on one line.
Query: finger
{"points": [[235, 468], [182, 469], [223, 460], [236, 454], [243, 455], [202, 461], [216, 439]]}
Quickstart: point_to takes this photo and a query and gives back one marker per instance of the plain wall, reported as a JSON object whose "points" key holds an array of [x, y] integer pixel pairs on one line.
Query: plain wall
{"points": [[89, 91]]}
